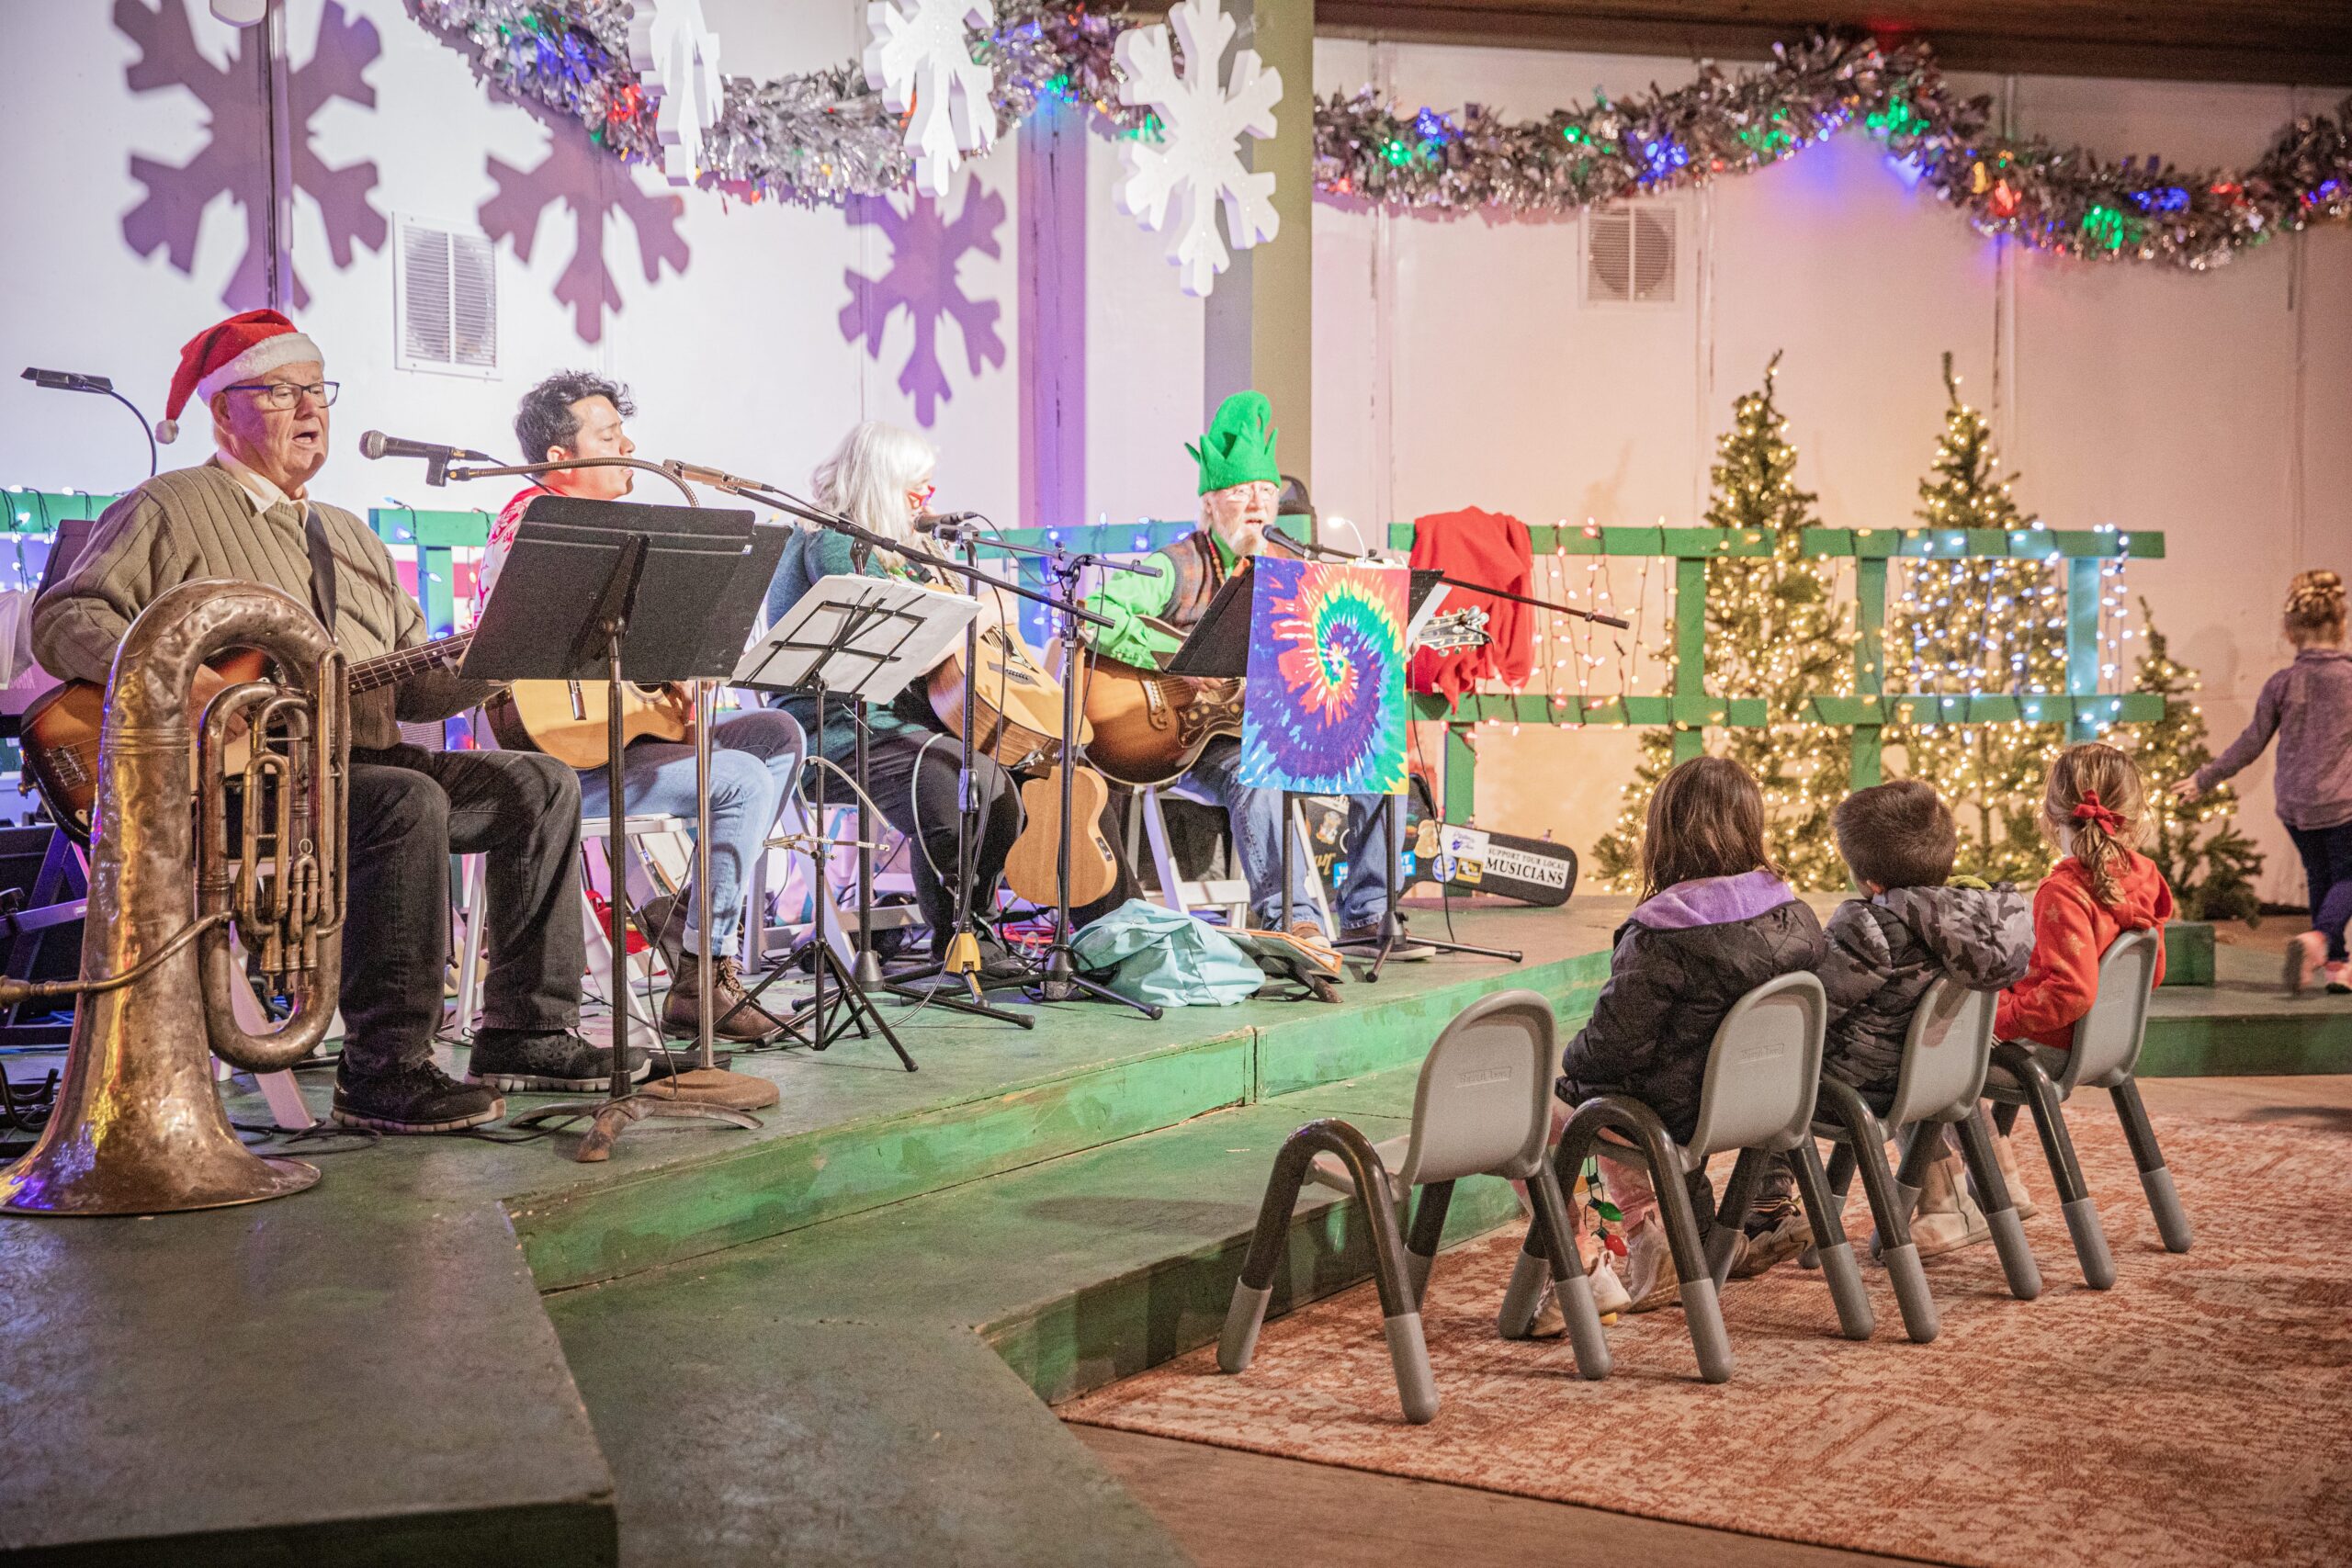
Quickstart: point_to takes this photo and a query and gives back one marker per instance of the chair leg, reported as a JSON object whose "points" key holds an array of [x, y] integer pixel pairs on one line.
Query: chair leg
{"points": [[1407, 1352], [1701, 1307], [1731, 1215], [1570, 1285], [1993, 1197], [1428, 1230], [1841, 1181], [1864, 1151], [2163, 1199], [1855, 1318], [2066, 1170]]}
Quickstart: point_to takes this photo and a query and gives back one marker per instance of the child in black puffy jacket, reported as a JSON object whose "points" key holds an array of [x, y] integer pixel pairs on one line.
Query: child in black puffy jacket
{"points": [[1716, 920]]}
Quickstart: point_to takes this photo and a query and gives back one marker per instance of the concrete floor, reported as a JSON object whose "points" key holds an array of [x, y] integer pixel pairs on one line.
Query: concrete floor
{"points": [[1238, 1510]]}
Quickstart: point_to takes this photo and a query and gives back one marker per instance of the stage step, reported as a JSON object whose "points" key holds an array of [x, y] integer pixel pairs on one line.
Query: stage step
{"points": [[2244, 1025], [869, 1390], [322, 1380]]}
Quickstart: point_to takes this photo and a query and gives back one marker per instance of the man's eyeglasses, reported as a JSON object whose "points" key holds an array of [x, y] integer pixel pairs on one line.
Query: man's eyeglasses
{"points": [[282, 395]]}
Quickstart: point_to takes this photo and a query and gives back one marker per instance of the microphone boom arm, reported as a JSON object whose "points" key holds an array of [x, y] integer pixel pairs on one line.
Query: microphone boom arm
{"points": [[470, 473]]}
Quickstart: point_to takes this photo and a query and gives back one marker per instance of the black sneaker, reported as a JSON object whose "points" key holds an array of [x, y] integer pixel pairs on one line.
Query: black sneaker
{"points": [[552, 1060], [416, 1098]]}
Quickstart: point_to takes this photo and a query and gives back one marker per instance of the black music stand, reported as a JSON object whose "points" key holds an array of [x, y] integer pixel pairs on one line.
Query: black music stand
{"points": [[615, 591], [863, 638]]}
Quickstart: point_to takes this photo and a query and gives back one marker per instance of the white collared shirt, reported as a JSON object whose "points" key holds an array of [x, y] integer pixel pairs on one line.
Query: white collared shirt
{"points": [[257, 487]]}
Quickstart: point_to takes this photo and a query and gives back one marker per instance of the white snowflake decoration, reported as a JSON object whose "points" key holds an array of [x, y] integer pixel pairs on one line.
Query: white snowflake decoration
{"points": [[918, 58], [1198, 158], [675, 56]]}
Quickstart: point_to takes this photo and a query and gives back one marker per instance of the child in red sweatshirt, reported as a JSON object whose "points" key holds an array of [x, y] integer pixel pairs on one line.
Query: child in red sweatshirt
{"points": [[2093, 810]]}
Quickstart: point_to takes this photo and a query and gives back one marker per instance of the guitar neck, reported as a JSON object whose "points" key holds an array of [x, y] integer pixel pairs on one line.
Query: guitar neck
{"points": [[391, 668]]}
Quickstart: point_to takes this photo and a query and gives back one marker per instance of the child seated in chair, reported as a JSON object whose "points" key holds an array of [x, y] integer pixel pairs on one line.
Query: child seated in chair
{"points": [[1914, 924], [2093, 812], [1716, 920]]}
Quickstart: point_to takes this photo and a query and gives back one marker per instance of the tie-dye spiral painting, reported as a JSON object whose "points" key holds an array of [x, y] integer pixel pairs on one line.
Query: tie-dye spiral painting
{"points": [[1325, 709]]}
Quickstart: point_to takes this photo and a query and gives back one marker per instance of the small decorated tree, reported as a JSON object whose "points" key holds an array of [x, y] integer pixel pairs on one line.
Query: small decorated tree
{"points": [[2211, 873], [1774, 631], [1967, 626]]}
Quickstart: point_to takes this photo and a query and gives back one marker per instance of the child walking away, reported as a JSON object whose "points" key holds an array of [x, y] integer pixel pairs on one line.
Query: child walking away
{"points": [[2093, 811], [2308, 705], [1914, 925], [1715, 921]]}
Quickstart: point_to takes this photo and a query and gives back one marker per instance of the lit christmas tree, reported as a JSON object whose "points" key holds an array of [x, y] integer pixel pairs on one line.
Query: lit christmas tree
{"points": [[1774, 631], [1966, 626], [2212, 876]]}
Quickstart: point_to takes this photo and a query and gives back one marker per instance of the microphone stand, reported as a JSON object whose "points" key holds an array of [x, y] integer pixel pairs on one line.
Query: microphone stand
{"points": [[1392, 934], [708, 1090], [1059, 980], [1325, 552], [961, 945]]}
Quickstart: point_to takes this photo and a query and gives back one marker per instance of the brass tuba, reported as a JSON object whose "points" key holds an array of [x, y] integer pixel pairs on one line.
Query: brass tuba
{"points": [[138, 1127]]}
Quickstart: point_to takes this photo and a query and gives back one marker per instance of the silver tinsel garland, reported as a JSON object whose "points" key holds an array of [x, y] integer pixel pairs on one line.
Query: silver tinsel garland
{"points": [[823, 137], [2057, 199]]}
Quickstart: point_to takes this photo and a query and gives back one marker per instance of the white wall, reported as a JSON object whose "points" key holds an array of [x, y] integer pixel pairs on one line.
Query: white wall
{"points": [[1455, 366]]}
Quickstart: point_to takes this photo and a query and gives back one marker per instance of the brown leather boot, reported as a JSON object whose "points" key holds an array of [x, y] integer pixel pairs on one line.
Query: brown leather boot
{"points": [[736, 1017]]}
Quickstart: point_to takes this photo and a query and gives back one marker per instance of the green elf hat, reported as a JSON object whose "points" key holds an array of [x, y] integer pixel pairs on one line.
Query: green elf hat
{"points": [[1239, 446]]}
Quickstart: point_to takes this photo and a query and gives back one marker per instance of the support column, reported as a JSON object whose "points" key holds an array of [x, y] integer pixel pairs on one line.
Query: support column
{"points": [[1259, 325], [1053, 315]]}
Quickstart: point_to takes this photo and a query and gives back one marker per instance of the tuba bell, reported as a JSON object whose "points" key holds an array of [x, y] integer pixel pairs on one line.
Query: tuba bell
{"points": [[138, 1127]]}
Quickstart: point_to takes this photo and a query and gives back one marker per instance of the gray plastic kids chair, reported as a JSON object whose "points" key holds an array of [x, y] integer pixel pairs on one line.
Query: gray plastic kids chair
{"points": [[1945, 1055], [1763, 1074], [2107, 1050], [1483, 1108]]}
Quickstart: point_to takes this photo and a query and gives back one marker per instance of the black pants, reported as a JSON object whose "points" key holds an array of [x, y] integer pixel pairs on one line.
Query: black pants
{"points": [[410, 809], [915, 786]]}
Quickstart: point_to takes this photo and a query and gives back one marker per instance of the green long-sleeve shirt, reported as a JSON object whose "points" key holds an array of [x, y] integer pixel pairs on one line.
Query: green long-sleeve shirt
{"points": [[1131, 599]]}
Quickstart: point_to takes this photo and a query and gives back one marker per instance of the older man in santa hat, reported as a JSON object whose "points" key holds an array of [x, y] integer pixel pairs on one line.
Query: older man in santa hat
{"points": [[247, 514]]}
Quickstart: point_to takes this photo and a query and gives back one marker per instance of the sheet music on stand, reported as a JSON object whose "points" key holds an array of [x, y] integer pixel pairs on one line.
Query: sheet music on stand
{"points": [[861, 637]]}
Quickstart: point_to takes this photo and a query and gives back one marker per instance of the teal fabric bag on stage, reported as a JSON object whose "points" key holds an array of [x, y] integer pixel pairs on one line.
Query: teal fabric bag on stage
{"points": [[1152, 954]]}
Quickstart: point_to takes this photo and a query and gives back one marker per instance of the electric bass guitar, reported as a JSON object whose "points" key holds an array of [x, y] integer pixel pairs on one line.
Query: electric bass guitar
{"points": [[1150, 726], [62, 727]]}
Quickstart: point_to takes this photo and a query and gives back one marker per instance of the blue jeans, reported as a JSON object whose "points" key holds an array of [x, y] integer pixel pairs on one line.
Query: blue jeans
{"points": [[2327, 868], [754, 760], [1256, 815]]}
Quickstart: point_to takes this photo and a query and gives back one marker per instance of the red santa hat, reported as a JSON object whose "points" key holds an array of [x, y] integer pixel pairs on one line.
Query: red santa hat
{"points": [[235, 350]]}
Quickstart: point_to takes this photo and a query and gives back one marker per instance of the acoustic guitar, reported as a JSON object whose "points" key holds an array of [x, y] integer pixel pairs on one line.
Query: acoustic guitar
{"points": [[1030, 869], [567, 719], [62, 727], [1150, 726]]}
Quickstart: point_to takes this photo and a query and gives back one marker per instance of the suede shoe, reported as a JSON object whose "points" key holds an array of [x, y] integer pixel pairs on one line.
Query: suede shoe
{"points": [[551, 1061], [734, 1015], [1406, 950], [415, 1097], [1782, 1236]]}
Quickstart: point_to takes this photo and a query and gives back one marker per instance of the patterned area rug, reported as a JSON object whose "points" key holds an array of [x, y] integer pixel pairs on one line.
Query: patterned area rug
{"points": [[2201, 1412]]}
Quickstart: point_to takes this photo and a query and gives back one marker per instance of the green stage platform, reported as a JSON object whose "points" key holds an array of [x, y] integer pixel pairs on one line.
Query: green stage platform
{"points": [[825, 1341]]}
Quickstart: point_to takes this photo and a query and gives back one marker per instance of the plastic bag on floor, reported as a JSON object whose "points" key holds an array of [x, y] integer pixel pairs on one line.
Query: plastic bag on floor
{"points": [[1153, 955]]}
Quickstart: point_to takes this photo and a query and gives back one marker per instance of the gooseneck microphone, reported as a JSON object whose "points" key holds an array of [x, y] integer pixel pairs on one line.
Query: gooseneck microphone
{"points": [[75, 381]]}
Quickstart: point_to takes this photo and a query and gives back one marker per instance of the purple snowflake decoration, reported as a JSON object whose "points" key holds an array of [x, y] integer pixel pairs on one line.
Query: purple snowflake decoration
{"points": [[232, 161], [926, 251], [594, 190]]}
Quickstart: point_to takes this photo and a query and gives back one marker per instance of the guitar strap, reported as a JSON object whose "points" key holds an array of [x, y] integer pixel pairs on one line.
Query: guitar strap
{"points": [[322, 598]]}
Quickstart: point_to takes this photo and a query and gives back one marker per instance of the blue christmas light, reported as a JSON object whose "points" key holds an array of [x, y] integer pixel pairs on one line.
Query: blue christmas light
{"points": [[1661, 158], [1431, 126]]}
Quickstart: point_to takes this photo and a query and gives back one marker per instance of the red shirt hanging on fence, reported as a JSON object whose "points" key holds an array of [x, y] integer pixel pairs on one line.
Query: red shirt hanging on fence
{"points": [[1484, 548]]}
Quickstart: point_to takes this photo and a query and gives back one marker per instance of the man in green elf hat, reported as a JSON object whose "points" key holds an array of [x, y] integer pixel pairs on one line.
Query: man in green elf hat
{"points": [[1240, 485]]}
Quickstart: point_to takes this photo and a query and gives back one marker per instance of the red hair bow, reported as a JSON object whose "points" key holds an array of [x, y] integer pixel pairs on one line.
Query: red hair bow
{"points": [[2090, 810]]}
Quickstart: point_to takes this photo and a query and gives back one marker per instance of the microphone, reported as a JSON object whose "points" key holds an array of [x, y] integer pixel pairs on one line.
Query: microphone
{"points": [[718, 478], [376, 443], [931, 522], [67, 381]]}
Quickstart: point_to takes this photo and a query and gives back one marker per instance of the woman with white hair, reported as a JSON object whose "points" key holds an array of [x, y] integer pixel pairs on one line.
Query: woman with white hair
{"points": [[880, 477]]}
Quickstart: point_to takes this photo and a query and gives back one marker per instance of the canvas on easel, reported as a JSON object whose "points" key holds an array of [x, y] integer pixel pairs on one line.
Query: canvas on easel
{"points": [[1325, 710]]}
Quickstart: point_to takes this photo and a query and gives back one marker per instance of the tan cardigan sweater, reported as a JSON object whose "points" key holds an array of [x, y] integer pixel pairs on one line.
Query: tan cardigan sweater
{"points": [[198, 523]]}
